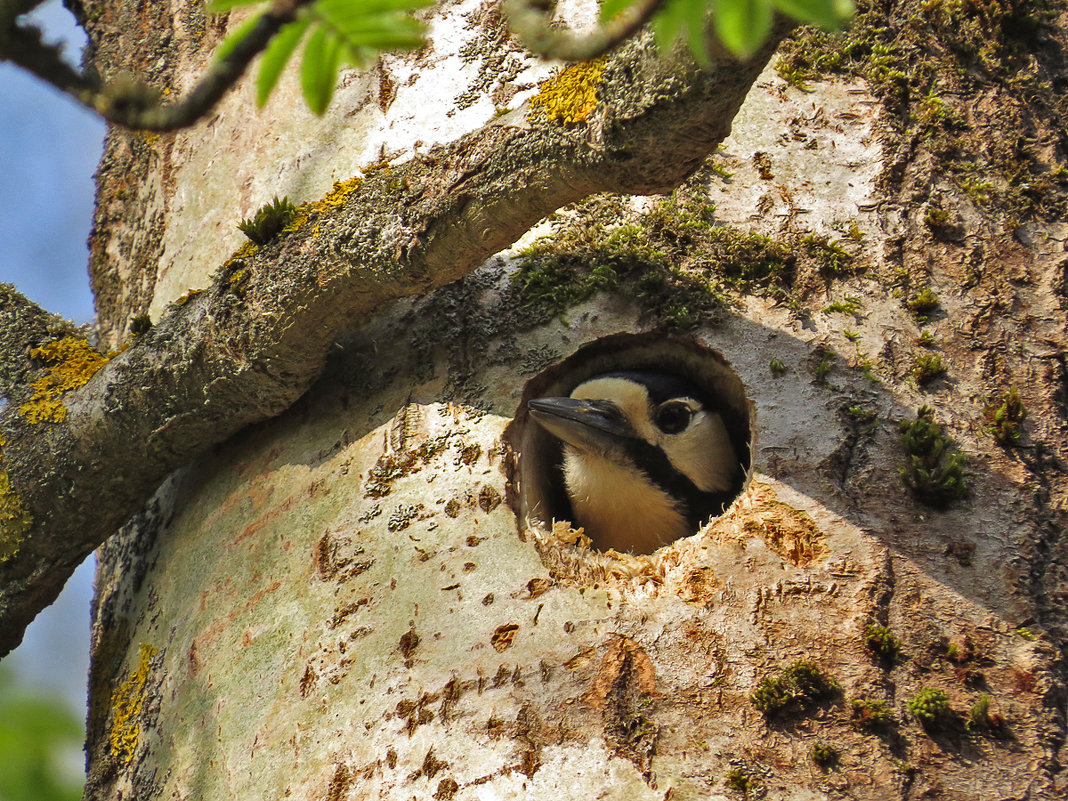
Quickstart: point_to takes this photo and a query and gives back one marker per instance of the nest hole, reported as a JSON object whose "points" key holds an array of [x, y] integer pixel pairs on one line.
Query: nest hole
{"points": [[540, 497]]}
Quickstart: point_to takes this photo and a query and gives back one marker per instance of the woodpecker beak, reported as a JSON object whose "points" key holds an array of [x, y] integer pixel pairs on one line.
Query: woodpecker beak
{"points": [[589, 425]]}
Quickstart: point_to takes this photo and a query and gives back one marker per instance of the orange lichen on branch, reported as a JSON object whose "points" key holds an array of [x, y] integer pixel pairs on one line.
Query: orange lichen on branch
{"points": [[74, 363], [15, 521], [126, 705], [570, 95]]}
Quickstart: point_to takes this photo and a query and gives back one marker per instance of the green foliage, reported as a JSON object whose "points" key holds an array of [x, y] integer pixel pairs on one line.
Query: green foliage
{"points": [[870, 714], [847, 305], [797, 686], [823, 367], [269, 221], [1004, 418], [742, 25], [980, 718], [35, 735], [742, 781], [824, 754], [882, 642], [777, 367], [922, 304], [338, 32], [932, 471], [930, 706], [926, 367]]}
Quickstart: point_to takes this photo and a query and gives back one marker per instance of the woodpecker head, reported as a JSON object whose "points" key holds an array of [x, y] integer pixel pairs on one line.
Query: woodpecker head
{"points": [[647, 458]]}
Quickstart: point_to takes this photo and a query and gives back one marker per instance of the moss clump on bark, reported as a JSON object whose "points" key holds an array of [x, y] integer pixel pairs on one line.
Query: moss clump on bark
{"points": [[797, 686], [674, 261], [932, 470]]}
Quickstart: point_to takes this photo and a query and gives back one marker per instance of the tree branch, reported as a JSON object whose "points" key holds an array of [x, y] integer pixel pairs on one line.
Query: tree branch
{"points": [[135, 105], [531, 20], [23, 326], [244, 349]]}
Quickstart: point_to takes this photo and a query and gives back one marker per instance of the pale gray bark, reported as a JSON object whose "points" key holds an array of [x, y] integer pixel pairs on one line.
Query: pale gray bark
{"points": [[343, 602]]}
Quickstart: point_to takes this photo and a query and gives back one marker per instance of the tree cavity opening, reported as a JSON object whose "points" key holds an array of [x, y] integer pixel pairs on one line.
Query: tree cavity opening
{"points": [[540, 495]]}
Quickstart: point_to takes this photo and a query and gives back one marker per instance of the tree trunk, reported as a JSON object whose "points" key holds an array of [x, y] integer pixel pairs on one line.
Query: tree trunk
{"points": [[367, 597]]}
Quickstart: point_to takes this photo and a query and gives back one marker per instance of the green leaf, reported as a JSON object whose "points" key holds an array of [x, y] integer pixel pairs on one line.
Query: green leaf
{"points": [[366, 8], [222, 6], [318, 71], [668, 23], [743, 25], [610, 8], [696, 22], [276, 56], [827, 14], [230, 43]]}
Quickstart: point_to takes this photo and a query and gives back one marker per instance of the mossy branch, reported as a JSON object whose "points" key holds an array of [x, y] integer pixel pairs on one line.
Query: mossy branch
{"points": [[23, 326]]}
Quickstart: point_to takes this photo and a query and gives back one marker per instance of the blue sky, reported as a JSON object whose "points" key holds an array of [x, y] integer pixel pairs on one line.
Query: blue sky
{"points": [[49, 148]]}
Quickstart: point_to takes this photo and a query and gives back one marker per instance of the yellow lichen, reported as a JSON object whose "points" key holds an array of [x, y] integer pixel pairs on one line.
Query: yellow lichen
{"points": [[337, 196], [188, 296], [75, 362], [15, 521], [570, 95], [246, 251], [126, 705]]}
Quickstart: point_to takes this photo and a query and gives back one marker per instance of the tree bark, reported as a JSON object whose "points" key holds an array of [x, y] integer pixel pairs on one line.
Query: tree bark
{"points": [[362, 598]]}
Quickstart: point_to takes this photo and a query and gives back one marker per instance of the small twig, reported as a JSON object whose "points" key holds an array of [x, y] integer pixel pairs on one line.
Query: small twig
{"points": [[135, 105], [530, 21]]}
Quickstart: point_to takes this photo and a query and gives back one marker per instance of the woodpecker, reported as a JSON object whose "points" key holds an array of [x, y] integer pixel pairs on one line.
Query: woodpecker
{"points": [[646, 457]]}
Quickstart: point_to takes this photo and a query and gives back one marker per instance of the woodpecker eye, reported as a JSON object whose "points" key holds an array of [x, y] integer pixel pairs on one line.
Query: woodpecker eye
{"points": [[673, 417]]}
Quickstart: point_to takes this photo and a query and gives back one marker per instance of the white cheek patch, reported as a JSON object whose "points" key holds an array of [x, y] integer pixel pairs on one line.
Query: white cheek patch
{"points": [[704, 453]]}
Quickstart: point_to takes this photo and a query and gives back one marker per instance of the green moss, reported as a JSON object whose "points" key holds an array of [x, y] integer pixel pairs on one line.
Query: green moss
{"points": [[932, 471], [1004, 417], [926, 367], [930, 706], [848, 305], [73, 362], [824, 754], [777, 367], [882, 642], [570, 95], [870, 714], [271, 219], [922, 304], [979, 717], [674, 260], [796, 687], [823, 366], [740, 780], [861, 414]]}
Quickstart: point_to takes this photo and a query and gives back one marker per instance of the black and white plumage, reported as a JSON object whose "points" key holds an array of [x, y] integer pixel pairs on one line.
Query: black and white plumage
{"points": [[646, 457]]}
